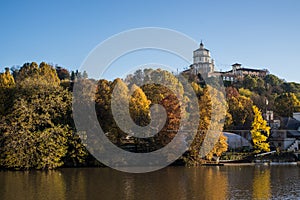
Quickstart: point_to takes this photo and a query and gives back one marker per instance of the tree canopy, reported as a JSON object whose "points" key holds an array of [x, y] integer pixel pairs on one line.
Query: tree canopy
{"points": [[37, 128], [260, 132]]}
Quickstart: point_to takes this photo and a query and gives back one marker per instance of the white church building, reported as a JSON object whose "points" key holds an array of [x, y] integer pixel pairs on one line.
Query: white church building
{"points": [[203, 64]]}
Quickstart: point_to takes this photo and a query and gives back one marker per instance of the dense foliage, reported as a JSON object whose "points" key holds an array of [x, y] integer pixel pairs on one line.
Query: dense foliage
{"points": [[37, 129]]}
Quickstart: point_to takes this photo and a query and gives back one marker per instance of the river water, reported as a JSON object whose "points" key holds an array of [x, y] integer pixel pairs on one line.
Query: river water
{"points": [[224, 182]]}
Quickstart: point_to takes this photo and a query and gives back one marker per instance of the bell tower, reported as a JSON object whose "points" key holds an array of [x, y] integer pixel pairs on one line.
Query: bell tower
{"points": [[203, 63]]}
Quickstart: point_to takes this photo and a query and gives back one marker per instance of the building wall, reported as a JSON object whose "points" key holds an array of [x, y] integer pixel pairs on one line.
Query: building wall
{"points": [[203, 63], [279, 139], [282, 144], [296, 116]]}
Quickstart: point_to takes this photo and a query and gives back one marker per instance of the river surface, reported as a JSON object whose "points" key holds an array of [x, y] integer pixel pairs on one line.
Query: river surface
{"points": [[225, 182]]}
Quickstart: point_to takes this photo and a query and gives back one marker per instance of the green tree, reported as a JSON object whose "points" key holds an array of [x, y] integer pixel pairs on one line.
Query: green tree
{"points": [[78, 75], [261, 101], [250, 82], [291, 87], [260, 85], [286, 104], [260, 132], [73, 76], [273, 80]]}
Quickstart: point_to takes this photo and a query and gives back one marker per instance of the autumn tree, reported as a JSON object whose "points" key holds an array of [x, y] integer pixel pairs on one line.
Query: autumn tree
{"points": [[36, 131], [163, 88], [37, 72], [260, 132], [121, 96], [62, 73], [139, 106], [209, 141], [171, 127], [219, 147], [7, 84], [245, 92], [103, 103], [240, 108], [6, 79]]}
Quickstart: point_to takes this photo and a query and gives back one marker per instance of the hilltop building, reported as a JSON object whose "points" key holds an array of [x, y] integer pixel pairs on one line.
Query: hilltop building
{"points": [[204, 65], [238, 73]]}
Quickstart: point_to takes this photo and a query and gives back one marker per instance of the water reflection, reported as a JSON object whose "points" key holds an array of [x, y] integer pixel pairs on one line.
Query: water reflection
{"points": [[170, 183], [32, 185], [262, 183], [211, 183]]}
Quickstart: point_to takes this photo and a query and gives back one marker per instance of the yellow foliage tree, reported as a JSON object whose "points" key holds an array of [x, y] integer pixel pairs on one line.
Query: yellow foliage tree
{"points": [[6, 79], [139, 106], [209, 129], [260, 132], [7, 84]]}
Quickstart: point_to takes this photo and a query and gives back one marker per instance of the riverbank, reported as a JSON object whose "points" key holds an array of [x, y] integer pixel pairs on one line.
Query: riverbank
{"points": [[262, 163]]}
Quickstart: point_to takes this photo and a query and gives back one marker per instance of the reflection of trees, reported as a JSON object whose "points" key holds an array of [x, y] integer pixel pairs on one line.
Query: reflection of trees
{"points": [[104, 183], [216, 184], [207, 183], [262, 184], [33, 185], [76, 183]]}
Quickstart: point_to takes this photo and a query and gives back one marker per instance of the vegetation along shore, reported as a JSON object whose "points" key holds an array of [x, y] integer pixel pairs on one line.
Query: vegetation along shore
{"points": [[37, 130]]}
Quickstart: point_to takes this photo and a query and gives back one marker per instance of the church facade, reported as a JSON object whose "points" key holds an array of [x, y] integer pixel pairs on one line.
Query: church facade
{"points": [[203, 63]]}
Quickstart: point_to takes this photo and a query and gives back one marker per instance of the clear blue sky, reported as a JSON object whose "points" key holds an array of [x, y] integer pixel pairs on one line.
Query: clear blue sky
{"points": [[258, 34]]}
